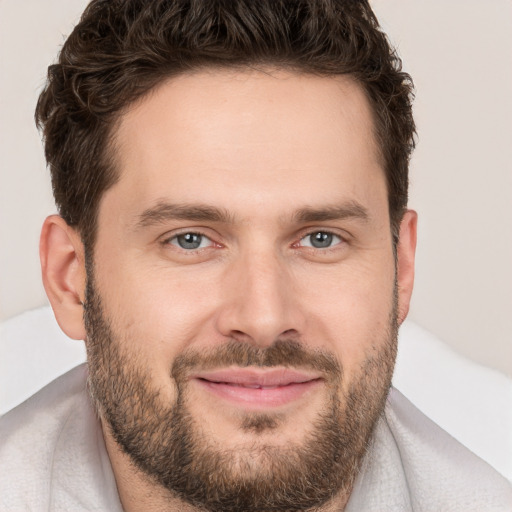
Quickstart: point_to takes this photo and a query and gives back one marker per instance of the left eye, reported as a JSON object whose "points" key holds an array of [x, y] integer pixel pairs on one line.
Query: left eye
{"points": [[190, 241], [320, 240]]}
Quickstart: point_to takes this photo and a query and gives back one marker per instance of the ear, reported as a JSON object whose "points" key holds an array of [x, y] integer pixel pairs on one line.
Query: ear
{"points": [[63, 268], [406, 251]]}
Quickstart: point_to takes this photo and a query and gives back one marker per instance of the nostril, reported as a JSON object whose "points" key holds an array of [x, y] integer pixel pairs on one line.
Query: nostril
{"points": [[289, 333], [239, 335]]}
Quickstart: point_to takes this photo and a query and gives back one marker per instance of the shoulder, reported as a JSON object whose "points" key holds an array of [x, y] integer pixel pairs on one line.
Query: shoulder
{"points": [[50, 446], [439, 470], [42, 416]]}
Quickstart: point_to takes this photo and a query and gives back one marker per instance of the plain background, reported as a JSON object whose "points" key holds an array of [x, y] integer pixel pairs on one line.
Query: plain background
{"points": [[459, 53]]}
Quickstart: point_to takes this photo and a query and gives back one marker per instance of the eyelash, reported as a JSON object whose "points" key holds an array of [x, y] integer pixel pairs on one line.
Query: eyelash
{"points": [[169, 240], [324, 232], [342, 240]]}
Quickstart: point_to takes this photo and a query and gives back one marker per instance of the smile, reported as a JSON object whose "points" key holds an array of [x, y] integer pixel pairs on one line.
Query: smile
{"points": [[257, 389]]}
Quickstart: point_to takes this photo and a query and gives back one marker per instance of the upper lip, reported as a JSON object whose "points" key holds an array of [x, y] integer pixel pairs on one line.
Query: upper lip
{"points": [[257, 377]]}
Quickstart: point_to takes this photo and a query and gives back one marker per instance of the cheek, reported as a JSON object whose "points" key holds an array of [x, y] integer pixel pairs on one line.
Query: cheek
{"points": [[160, 312], [351, 311]]}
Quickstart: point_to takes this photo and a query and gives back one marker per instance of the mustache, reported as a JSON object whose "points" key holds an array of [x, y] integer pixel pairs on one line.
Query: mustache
{"points": [[286, 353]]}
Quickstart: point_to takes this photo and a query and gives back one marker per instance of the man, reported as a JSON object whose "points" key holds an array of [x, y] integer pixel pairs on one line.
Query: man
{"points": [[234, 247]]}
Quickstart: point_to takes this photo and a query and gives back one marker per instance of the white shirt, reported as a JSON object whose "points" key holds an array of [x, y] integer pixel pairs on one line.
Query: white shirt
{"points": [[53, 458]]}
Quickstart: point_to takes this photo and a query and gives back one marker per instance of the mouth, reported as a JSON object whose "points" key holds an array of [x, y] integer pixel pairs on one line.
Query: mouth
{"points": [[253, 388]]}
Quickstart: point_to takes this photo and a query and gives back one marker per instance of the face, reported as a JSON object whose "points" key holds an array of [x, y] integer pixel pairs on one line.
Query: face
{"points": [[242, 306]]}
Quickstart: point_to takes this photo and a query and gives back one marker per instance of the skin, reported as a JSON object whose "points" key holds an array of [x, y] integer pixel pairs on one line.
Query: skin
{"points": [[261, 147]]}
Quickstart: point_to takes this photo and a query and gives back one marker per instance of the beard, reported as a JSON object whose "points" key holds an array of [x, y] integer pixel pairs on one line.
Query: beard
{"points": [[166, 442]]}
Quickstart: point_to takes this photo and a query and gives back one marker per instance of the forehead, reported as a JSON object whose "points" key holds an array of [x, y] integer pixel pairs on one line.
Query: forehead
{"points": [[274, 136]]}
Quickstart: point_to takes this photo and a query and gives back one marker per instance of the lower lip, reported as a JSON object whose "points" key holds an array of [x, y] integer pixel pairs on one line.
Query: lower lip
{"points": [[259, 397]]}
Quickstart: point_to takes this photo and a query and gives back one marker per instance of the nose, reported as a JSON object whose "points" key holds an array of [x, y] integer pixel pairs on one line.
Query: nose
{"points": [[260, 303]]}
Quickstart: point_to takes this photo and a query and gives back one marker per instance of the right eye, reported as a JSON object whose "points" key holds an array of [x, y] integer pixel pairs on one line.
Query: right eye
{"points": [[190, 241]]}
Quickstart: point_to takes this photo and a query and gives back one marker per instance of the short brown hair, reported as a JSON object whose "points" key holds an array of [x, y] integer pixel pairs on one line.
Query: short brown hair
{"points": [[121, 49]]}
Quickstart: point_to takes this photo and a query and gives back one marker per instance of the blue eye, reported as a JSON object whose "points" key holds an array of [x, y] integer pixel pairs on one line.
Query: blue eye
{"points": [[320, 240], [190, 241]]}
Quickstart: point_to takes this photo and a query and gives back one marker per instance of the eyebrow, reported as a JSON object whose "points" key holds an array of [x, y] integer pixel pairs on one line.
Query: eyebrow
{"points": [[350, 210], [163, 212]]}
